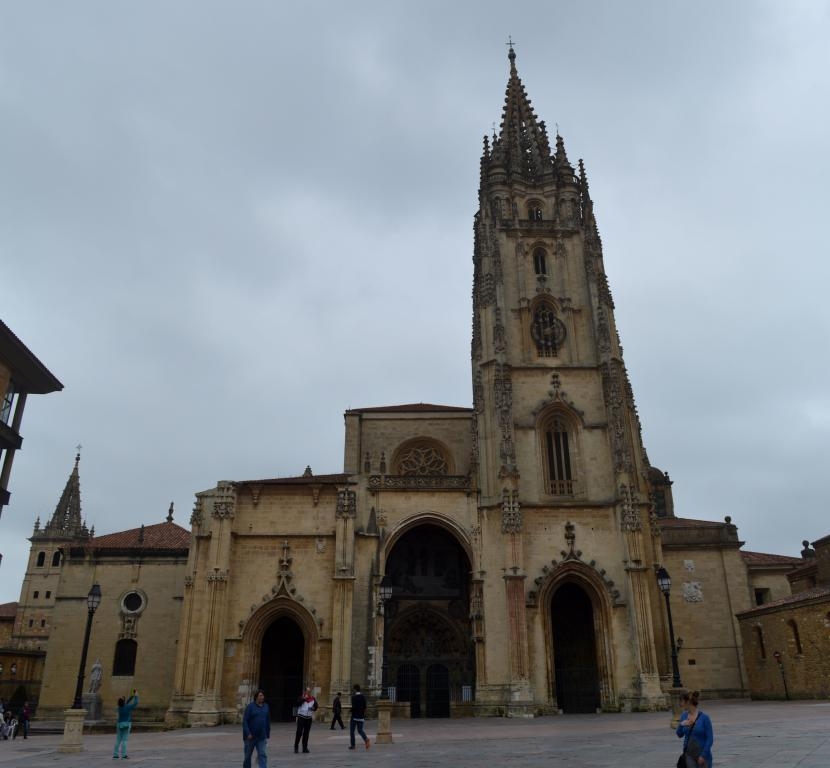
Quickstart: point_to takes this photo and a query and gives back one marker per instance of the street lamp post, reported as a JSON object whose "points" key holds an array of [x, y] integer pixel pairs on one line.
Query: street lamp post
{"points": [[664, 582], [385, 596], [93, 600], [384, 704]]}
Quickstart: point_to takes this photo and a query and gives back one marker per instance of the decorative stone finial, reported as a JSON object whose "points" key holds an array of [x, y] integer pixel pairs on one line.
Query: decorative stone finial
{"points": [[308, 472], [170, 513]]}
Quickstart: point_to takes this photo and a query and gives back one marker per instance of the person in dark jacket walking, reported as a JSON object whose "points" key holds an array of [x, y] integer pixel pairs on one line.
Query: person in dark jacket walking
{"points": [[125, 723], [256, 730], [337, 710], [358, 718]]}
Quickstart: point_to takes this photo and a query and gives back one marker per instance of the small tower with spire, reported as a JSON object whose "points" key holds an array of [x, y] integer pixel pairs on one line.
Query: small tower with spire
{"points": [[49, 544]]}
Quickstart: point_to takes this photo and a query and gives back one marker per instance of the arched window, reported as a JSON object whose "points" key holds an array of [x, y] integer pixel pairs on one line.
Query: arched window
{"points": [[534, 210], [36, 594], [540, 261], [558, 457], [759, 636], [125, 653], [796, 637], [421, 457], [547, 330], [41, 559], [56, 559]]}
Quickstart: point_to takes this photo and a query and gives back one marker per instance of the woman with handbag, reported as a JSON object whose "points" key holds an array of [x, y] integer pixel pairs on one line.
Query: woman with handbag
{"points": [[696, 731]]}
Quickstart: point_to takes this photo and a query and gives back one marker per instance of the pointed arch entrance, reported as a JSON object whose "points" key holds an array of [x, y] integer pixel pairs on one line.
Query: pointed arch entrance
{"points": [[282, 656], [429, 648], [575, 659]]}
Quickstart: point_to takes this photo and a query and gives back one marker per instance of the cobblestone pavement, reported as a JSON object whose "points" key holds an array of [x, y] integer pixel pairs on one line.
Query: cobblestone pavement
{"points": [[747, 735]]}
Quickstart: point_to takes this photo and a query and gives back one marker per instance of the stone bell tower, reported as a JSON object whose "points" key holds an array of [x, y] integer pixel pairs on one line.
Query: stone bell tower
{"points": [[556, 436]]}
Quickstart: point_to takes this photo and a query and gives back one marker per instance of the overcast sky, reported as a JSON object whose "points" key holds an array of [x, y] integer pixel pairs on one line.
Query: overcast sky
{"points": [[223, 224]]}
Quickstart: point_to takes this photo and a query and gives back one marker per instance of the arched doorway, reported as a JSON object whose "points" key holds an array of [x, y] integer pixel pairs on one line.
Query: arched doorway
{"points": [[281, 667], [576, 671], [429, 649]]}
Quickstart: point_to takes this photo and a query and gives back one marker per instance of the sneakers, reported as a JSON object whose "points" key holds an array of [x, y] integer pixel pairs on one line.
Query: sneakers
{"points": [[351, 747], [368, 743]]}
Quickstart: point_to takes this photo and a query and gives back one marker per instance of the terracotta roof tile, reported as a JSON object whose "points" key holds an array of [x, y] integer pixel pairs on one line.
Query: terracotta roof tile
{"points": [[8, 610], [807, 594], [159, 536], [687, 522], [337, 479], [412, 408], [762, 558]]}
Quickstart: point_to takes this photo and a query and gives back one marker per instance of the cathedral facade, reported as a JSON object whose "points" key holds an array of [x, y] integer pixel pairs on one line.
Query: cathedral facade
{"points": [[519, 536], [498, 559]]}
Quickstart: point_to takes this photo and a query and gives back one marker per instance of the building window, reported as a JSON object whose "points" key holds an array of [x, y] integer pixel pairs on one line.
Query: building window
{"points": [[36, 595], [8, 403], [534, 211], [558, 458], [41, 559], [48, 593], [759, 636], [43, 622], [133, 602], [540, 261], [547, 330], [124, 662], [31, 622], [56, 559], [796, 637], [761, 596]]}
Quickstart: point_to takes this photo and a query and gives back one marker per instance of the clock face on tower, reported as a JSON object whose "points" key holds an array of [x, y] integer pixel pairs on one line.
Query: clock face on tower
{"points": [[547, 330]]}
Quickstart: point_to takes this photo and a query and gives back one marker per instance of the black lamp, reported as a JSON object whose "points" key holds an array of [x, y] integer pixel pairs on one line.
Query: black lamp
{"points": [[93, 600], [664, 582]]}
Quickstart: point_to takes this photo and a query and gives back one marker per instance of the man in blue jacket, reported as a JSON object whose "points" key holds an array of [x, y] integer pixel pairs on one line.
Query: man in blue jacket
{"points": [[256, 730]]}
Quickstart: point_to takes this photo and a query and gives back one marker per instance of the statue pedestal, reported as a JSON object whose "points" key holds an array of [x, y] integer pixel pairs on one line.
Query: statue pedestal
{"points": [[73, 731], [92, 705], [384, 735]]}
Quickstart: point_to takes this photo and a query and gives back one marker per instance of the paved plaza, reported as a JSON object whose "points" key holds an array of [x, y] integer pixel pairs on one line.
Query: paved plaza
{"points": [[747, 735]]}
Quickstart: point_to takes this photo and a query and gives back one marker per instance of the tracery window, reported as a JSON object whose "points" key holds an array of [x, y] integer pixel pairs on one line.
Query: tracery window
{"points": [[540, 262], [547, 330], [422, 458], [558, 458]]}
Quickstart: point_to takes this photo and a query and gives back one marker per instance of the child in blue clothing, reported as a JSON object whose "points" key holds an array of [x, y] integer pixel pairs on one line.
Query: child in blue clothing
{"points": [[125, 723], [695, 725]]}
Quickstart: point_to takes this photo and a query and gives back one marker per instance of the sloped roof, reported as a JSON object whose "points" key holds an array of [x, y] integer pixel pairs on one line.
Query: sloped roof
{"points": [[815, 593], [763, 558], [162, 536], [28, 372], [412, 408], [8, 610], [688, 522], [336, 479]]}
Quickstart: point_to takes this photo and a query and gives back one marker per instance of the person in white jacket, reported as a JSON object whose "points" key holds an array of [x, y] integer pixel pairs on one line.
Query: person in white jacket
{"points": [[306, 707]]}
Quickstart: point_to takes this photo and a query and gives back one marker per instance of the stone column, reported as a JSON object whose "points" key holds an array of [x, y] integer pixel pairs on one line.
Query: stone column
{"points": [[73, 731], [384, 735]]}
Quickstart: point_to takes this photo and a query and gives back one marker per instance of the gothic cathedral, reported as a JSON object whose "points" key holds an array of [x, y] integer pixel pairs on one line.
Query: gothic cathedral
{"points": [[493, 560]]}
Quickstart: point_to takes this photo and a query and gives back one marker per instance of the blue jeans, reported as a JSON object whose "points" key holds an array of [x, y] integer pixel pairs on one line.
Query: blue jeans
{"points": [[122, 733], [261, 752], [359, 725]]}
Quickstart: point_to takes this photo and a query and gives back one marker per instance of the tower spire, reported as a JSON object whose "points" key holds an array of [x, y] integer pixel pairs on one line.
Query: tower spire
{"points": [[521, 148], [66, 518]]}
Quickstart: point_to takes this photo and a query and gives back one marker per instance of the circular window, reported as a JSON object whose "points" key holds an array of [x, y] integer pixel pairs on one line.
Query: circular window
{"points": [[133, 602]]}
